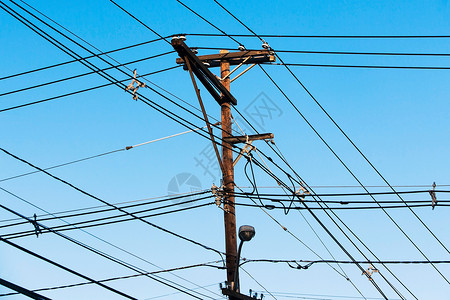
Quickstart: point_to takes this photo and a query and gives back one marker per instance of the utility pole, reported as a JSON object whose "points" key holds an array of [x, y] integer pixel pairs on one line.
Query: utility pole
{"points": [[219, 88], [228, 179]]}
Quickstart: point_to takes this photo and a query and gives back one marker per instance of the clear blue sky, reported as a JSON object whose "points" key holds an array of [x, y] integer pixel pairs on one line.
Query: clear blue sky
{"points": [[399, 118]]}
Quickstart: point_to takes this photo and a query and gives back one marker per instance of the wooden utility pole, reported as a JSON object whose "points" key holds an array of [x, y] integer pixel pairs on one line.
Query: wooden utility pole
{"points": [[228, 179], [219, 88]]}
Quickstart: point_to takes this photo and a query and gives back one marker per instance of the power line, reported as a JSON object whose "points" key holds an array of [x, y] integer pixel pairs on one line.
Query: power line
{"points": [[93, 235], [319, 198], [335, 52], [78, 59], [358, 66], [104, 153], [111, 205], [82, 224], [102, 254], [123, 207], [207, 264], [324, 36], [84, 74], [80, 91], [66, 268]]}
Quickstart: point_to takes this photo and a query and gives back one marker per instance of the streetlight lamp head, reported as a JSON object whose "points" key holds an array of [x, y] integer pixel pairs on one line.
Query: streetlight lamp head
{"points": [[246, 233]]}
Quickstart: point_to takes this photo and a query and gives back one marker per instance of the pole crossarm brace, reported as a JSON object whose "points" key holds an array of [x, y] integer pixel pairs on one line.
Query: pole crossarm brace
{"points": [[208, 79], [246, 138], [236, 58]]}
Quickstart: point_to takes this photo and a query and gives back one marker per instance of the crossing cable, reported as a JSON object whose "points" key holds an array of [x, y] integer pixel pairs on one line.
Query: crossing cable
{"points": [[96, 237], [150, 104], [112, 209], [302, 182], [350, 140], [142, 98], [304, 87], [84, 74], [354, 176], [353, 144], [111, 205], [207, 264], [109, 257], [368, 161], [81, 91], [78, 59], [40, 216], [66, 268], [343, 274], [305, 203], [73, 54], [303, 243], [103, 154], [141, 76], [331, 235], [82, 224], [201, 17]]}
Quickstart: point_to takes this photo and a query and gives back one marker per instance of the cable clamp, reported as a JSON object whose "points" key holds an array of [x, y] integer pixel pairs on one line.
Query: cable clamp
{"points": [[135, 88], [37, 228], [433, 196]]}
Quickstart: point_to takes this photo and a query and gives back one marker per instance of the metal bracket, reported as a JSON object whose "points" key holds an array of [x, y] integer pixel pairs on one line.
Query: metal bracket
{"points": [[433, 196], [37, 228], [242, 73], [237, 67], [245, 151], [135, 88], [370, 271]]}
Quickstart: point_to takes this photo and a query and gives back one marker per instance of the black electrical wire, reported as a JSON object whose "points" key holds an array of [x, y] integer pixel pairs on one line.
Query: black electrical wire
{"points": [[269, 206], [78, 59], [356, 194], [334, 52], [331, 235], [93, 235], [207, 264], [123, 207], [343, 163], [358, 66], [313, 128], [311, 262], [84, 74], [147, 101], [354, 145], [81, 91], [198, 15], [106, 203], [66, 268], [101, 221], [323, 36], [109, 257]]}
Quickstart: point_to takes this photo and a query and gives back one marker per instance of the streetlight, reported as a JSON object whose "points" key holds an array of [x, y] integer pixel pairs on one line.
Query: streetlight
{"points": [[246, 233]]}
